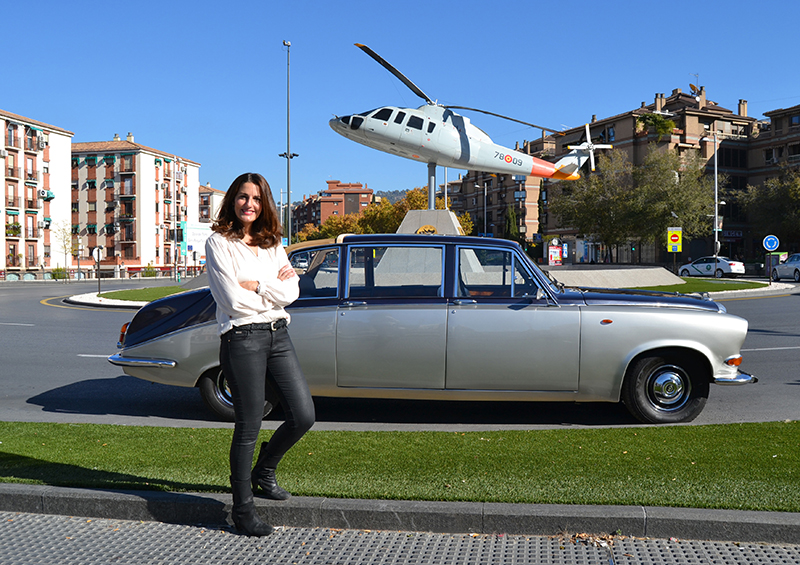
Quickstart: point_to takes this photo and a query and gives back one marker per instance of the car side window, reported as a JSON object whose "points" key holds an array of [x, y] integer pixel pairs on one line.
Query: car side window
{"points": [[395, 272], [484, 272], [319, 272]]}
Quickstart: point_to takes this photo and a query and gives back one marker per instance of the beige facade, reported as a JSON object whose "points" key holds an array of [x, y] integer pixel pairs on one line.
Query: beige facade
{"points": [[35, 158], [134, 202]]}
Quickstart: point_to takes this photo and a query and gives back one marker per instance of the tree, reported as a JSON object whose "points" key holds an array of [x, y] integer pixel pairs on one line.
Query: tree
{"points": [[672, 190], [599, 204], [774, 208], [62, 233]]}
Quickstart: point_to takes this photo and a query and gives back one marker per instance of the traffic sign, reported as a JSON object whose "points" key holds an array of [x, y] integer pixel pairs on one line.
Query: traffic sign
{"points": [[674, 240], [771, 243]]}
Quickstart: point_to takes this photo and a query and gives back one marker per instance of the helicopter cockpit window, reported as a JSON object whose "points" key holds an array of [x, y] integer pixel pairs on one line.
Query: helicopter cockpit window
{"points": [[431, 126], [398, 119], [356, 122], [383, 114], [415, 122]]}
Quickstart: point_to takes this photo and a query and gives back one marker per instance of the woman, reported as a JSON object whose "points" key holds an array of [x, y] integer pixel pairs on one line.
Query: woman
{"points": [[251, 281]]}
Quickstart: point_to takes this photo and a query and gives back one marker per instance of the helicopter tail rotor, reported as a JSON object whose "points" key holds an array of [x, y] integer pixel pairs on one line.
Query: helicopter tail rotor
{"points": [[589, 147]]}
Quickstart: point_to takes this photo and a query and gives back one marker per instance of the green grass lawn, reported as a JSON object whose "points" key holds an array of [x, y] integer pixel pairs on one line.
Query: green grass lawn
{"points": [[707, 285], [143, 294], [737, 466]]}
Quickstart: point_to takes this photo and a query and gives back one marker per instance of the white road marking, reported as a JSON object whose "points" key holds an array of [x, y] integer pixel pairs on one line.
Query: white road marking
{"points": [[13, 324], [771, 348], [89, 355]]}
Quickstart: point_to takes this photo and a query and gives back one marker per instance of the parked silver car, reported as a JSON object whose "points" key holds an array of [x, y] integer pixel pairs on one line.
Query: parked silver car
{"points": [[789, 269], [460, 318]]}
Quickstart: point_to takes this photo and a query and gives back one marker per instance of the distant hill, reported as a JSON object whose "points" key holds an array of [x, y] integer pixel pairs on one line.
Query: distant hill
{"points": [[391, 195]]}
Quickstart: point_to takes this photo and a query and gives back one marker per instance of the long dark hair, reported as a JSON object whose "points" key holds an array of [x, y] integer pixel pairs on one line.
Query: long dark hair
{"points": [[266, 229]]}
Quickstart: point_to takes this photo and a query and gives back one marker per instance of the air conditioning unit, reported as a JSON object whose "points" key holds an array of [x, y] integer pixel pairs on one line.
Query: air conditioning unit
{"points": [[165, 185], [183, 209], [183, 189], [162, 226], [42, 193], [183, 169], [40, 224], [116, 225], [42, 143], [3, 153]]}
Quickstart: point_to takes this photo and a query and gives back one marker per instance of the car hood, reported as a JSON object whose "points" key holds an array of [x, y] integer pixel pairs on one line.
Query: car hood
{"points": [[626, 297]]}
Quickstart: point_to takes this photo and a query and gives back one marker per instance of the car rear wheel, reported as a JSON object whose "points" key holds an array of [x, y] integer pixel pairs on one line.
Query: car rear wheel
{"points": [[775, 276], [796, 275], [217, 395], [684, 273], [665, 389], [719, 274]]}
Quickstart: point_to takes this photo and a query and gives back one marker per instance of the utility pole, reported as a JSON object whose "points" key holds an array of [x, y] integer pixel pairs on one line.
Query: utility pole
{"points": [[287, 226]]}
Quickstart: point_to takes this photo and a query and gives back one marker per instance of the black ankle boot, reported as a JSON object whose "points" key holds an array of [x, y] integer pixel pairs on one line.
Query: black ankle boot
{"points": [[247, 522], [244, 514], [265, 480], [263, 477]]}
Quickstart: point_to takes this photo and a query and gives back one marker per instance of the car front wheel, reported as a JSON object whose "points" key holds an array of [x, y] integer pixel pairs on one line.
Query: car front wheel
{"points": [[665, 389], [684, 273], [796, 275], [217, 395]]}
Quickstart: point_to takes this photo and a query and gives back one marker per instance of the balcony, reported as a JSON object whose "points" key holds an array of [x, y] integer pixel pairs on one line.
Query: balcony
{"points": [[33, 233], [32, 176], [33, 262], [13, 202], [34, 204], [13, 261], [12, 172], [12, 141], [13, 230]]}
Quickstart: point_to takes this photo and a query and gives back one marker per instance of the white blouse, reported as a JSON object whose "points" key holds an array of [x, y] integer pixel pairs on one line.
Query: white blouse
{"points": [[231, 261]]}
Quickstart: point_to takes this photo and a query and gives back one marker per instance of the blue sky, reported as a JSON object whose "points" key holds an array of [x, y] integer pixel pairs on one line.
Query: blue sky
{"points": [[207, 81]]}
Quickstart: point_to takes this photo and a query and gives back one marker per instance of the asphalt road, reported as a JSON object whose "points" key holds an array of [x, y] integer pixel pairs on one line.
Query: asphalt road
{"points": [[53, 369]]}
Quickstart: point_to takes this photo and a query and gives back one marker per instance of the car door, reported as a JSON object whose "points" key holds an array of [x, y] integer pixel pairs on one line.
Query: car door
{"points": [[501, 334], [313, 316], [391, 326]]}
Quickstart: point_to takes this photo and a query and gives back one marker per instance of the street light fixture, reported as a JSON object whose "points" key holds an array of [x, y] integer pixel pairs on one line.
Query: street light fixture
{"points": [[288, 155]]}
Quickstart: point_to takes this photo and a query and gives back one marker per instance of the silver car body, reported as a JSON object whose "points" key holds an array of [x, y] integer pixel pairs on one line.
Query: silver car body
{"points": [[789, 269], [452, 339]]}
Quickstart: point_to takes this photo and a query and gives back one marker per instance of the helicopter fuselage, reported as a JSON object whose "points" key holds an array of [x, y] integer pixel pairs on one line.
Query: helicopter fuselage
{"points": [[434, 134]]}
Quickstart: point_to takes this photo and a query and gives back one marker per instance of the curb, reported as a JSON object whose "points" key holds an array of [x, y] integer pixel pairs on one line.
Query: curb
{"points": [[91, 299], [402, 515]]}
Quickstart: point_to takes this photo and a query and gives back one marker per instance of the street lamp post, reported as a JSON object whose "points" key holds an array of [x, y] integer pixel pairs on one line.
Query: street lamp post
{"points": [[288, 155], [716, 206]]}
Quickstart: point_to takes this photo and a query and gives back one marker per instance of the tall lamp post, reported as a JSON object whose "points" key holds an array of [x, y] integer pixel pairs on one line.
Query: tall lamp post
{"points": [[716, 206], [288, 155]]}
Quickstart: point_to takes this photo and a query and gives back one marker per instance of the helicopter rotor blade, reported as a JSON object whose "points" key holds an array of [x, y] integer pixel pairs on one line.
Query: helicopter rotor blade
{"points": [[388, 66], [503, 117]]}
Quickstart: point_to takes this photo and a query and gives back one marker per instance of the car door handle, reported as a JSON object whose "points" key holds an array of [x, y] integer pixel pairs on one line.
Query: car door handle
{"points": [[463, 301], [348, 304]]}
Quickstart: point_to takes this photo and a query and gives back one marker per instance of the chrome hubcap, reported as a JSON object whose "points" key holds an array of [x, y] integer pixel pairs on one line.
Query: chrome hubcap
{"points": [[669, 388]]}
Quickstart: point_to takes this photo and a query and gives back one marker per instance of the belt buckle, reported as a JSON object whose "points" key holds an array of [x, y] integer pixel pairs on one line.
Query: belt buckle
{"points": [[272, 327]]}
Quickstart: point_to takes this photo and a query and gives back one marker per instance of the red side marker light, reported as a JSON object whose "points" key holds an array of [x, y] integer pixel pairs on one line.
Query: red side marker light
{"points": [[606, 322], [734, 361]]}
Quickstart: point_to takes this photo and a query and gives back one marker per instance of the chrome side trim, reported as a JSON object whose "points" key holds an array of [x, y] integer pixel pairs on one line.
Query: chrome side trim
{"points": [[741, 378], [118, 359]]}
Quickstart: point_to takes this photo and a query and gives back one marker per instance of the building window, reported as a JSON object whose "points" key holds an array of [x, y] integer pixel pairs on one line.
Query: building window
{"points": [[76, 228], [92, 206], [75, 207], [794, 121]]}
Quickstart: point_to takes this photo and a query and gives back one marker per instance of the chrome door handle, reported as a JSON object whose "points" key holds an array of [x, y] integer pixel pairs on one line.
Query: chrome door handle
{"points": [[349, 304], [463, 301]]}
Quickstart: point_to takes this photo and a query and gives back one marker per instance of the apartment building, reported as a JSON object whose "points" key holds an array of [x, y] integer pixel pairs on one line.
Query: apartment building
{"points": [[210, 200], [338, 199], [134, 203]]}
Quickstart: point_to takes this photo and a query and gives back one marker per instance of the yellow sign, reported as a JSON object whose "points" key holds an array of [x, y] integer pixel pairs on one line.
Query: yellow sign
{"points": [[674, 239], [427, 230]]}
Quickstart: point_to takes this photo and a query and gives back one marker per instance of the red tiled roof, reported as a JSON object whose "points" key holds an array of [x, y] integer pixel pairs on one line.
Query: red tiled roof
{"points": [[17, 117]]}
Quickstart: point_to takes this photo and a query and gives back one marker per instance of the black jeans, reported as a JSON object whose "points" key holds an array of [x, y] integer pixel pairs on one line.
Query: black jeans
{"points": [[250, 358]]}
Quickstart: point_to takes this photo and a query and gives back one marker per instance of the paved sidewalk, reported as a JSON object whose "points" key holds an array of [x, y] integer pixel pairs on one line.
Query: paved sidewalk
{"points": [[32, 538]]}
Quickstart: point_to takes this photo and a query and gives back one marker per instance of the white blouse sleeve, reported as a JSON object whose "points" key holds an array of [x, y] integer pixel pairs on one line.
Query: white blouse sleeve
{"points": [[281, 293], [230, 296]]}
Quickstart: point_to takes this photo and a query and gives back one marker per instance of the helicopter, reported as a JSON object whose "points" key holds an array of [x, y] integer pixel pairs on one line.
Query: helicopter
{"points": [[436, 135]]}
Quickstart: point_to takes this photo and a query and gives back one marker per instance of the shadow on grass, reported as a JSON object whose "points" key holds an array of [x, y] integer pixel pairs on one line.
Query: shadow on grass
{"points": [[166, 502]]}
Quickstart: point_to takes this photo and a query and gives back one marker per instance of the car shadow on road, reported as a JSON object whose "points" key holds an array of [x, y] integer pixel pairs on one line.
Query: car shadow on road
{"points": [[366, 411], [124, 396], [132, 397]]}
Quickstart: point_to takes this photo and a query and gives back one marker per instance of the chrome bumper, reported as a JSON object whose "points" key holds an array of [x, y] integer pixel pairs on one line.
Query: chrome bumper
{"points": [[118, 359], [740, 378]]}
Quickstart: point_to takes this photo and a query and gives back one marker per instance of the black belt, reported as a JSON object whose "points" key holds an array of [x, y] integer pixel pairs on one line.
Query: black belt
{"points": [[271, 326]]}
